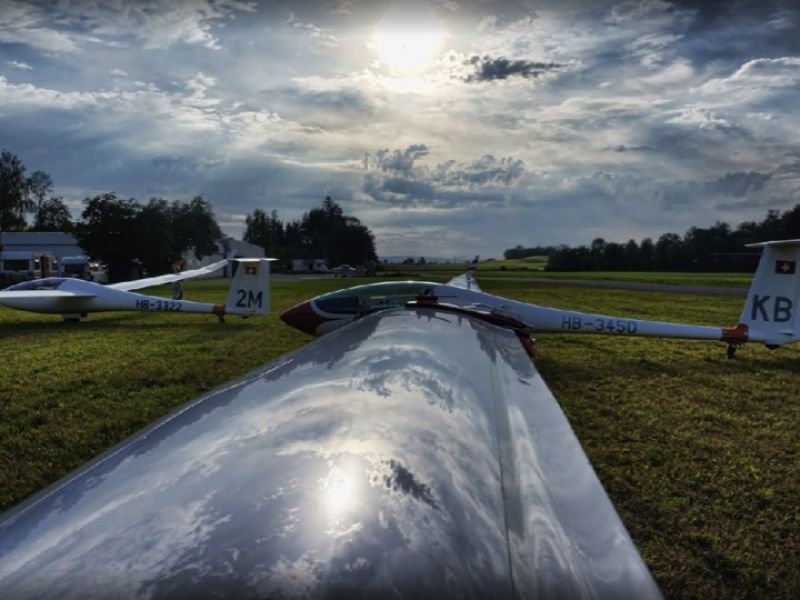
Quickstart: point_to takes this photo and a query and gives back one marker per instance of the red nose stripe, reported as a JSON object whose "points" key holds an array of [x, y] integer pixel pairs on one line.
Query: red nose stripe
{"points": [[302, 317]]}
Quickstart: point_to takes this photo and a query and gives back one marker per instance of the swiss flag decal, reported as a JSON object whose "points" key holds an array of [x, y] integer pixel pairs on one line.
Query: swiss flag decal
{"points": [[253, 270], [785, 267]]}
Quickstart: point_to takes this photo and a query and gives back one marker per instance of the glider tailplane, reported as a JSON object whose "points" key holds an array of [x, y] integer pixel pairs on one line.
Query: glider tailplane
{"points": [[249, 293], [771, 311]]}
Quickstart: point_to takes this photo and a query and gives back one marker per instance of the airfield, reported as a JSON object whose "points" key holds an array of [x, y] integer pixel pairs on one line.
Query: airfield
{"points": [[699, 454]]}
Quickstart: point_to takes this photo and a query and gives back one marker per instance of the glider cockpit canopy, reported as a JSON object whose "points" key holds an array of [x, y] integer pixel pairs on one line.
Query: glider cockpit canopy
{"points": [[49, 283]]}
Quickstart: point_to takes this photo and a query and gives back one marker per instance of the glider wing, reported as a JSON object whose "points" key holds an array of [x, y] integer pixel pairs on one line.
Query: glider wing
{"points": [[38, 294], [416, 453], [467, 279], [139, 284]]}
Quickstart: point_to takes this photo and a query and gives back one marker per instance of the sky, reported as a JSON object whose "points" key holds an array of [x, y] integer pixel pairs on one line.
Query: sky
{"points": [[448, 127]]}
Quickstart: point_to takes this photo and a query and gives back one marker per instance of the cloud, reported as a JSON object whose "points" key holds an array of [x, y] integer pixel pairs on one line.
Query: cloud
{"points": [[704, 118], [758, 76], [22, 23], [668, 113], [739, 184], [654, 49], [67, 26], [624, 148], [400, 162], [22, 66], [321, 34], [395, 178], [497, 69], [639, 10]]}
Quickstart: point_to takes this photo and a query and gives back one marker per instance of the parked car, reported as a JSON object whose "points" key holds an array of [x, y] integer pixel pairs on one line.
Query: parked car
{"points": [[344, 271]]}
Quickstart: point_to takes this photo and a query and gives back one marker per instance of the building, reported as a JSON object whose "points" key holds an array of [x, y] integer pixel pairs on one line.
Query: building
{"points": [[50, 242], [28, 246], [62, 245]]}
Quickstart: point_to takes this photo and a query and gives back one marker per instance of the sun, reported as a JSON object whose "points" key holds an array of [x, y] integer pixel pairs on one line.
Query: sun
{"points": [[408, 38]]}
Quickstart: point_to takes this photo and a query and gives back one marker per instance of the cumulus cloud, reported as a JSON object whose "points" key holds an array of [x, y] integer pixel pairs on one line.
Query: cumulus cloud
{"points": [[398, 161], [395, 178], [497, 69]]}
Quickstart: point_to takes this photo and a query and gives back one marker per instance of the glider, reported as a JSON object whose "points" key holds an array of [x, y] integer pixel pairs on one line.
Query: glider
{"points": [[75, 298], [414, 451], [769, 316]]}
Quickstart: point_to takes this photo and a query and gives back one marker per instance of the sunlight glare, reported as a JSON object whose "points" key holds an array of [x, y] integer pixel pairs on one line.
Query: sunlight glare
{"points": [[408, 37]]}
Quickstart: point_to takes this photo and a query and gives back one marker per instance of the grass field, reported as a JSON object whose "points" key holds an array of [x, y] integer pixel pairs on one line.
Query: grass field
{"points": [[700, 455], [533, 268]]}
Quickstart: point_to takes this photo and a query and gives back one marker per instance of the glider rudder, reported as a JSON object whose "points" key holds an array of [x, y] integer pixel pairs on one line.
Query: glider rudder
{"points": [[771, 310], [249, 293]]}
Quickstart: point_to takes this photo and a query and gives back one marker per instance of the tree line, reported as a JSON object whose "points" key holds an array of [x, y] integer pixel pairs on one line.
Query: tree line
{"points": [[715, 248], [127, 235], [322, 232]]}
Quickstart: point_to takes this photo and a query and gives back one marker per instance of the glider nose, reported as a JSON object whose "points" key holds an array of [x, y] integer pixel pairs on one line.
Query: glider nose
{"points": [[303, 317]]}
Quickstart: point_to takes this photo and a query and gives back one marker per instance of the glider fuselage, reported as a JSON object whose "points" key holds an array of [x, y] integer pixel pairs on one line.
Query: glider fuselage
{"points": [[64, 296], [331, 311]]}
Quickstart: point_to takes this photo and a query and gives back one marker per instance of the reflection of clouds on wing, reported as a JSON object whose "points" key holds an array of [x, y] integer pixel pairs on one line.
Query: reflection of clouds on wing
{"points": [[309, 475], [402, 480]]}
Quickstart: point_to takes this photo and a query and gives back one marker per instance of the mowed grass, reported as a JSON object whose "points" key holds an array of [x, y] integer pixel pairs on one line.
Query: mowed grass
{"points": [[533, 268], [700, 455]]}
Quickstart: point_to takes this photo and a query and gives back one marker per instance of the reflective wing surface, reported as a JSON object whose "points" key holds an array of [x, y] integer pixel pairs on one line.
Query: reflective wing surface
{"points": [[413, 453], [139, 284]]}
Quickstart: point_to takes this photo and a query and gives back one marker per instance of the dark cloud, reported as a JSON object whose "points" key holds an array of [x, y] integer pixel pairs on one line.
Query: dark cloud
{"points": [[484, 171], [290, 100], [400, 162], [739, 184], [496, 69], [396, 180], [763, 204], [624, 148]]}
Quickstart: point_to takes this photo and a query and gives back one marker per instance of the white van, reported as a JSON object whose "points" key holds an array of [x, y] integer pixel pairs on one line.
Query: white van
{"points": [[75, 266]]}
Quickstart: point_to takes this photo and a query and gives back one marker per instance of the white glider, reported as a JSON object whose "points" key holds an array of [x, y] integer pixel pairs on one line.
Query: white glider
{"points": [[770, 315], [75, 298]]}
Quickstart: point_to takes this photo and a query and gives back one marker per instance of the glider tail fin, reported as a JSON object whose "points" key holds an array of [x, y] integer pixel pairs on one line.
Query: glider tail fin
{"points": [[771, 313], [249, 293]]}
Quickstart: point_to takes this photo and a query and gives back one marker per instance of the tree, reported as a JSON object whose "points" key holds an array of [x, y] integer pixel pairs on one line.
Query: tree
{"points": [[108, 232], [324, 231], [14, 199], [265, 231], [668, 252], [155, 247], [194, 226], [53, 215], [39, 186]]}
